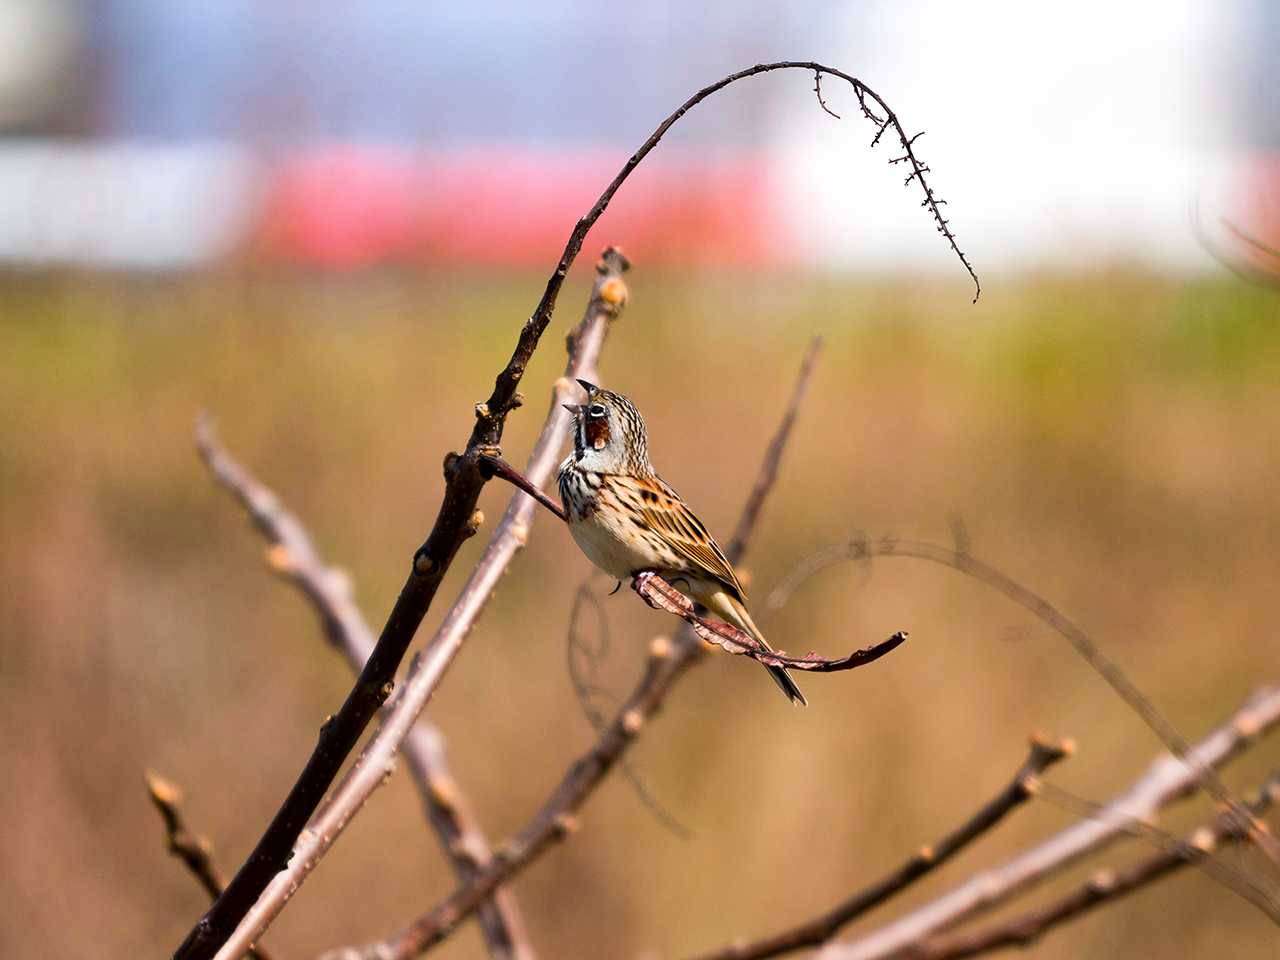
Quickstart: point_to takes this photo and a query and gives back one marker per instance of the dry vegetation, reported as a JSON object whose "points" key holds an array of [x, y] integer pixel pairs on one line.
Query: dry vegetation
{"points": [[1110, 440]]}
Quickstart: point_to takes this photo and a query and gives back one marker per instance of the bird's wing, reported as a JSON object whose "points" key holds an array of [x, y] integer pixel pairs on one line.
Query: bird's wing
{"points": [[664, 512]]}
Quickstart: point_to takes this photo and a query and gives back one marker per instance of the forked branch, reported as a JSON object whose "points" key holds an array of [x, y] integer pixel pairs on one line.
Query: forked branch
{"points": [[454, 524], [584, 345], [292, 555], [193, 850], [1167, 779], [860, 548], [1104, 886], [1044, 753], [668, 661]]}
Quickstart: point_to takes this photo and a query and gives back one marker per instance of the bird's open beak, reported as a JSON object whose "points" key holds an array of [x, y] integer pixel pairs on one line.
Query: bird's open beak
{"points": [[573, 408], [589, 387]]}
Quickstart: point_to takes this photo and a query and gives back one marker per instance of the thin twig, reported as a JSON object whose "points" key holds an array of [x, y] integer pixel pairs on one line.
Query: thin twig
{"points": [[768, 474], [1043, 754], [455, 822], [188, 846], [1242, 271], [661, 595], [1103, 887], [1254, 243], [1164, 781], [378, 757], [292, 555], [860, 548], [584, 675], [817, 89], [1238, 881], [668, 661], [453, 525]]}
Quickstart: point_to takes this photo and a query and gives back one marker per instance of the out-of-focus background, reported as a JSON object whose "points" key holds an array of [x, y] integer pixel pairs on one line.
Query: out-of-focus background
{"points": [[325, 223]]}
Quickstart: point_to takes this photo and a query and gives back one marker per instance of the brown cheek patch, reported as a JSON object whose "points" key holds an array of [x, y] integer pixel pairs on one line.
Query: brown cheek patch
{"points": [[597, 432]]}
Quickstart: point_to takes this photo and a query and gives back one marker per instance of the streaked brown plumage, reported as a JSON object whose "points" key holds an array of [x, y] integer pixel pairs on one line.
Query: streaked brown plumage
{"points": [[627, 519]]}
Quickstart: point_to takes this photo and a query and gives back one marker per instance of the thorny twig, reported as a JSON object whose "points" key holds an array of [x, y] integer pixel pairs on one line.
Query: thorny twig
{"points": [[667, 663], [453, 525], [378, 757], [328, 590], [1167, 779], [1104, 886], [189, 847], [1043, 754], [861, 548]]}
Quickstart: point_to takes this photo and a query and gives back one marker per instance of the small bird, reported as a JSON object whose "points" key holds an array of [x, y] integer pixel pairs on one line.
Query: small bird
{"points": [[627, 519]]}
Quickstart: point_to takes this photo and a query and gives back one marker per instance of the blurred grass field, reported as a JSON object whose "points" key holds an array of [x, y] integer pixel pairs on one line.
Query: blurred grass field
{"points": [[1110, 439]]}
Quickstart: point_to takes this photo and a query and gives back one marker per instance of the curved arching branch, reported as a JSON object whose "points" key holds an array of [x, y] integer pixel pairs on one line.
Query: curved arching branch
{"points": [[454, 525]]}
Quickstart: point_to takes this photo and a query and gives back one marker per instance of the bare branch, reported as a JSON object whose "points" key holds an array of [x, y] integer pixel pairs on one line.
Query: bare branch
{"points": [[1164, 781], [1238, 881], [378, 758], [817, 89], [667, 663], [661, 595], [1254, 243], [1249, 272], [453, 525], [1103, 887], [458, 827], [292, 555], [584, 669], [1044, 753], [859, 548], [768, 474], [189, 847]]}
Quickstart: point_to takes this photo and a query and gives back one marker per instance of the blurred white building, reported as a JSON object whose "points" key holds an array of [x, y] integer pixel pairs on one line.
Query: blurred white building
{"points": [[167, 133]]}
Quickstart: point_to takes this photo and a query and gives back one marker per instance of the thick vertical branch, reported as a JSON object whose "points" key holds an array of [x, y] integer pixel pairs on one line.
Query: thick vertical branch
{"points": [[668, 661], [378, 758], [293, 556]]}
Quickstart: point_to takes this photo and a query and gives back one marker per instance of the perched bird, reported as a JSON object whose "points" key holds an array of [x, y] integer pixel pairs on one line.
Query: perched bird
{"points": [[626, 519]]}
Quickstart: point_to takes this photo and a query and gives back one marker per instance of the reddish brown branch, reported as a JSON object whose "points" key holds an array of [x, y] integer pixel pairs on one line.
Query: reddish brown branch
{"points": [[1103, 887], [661, 595], [293, 556], [668, 661], [1044, 753], [188, 846], [495, 466], [512, 532], [1167, 779]]}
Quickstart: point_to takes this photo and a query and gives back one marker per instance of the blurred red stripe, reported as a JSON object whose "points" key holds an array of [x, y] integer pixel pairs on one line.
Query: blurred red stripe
{"points": [[349, 206]]}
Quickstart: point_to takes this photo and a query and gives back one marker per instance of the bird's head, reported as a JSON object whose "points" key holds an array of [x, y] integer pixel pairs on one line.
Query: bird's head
{"points": [[608, 433]]}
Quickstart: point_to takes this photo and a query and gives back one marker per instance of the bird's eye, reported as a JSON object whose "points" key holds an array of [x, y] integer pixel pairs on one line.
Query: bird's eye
{"points": [[596, 410]]}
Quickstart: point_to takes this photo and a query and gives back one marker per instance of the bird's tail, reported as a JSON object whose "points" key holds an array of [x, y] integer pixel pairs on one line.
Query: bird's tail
{"points": [[737, 614]]}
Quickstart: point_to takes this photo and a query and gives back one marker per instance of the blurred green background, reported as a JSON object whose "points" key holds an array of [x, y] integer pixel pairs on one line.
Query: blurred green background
{"points": [[1108, 438]]}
